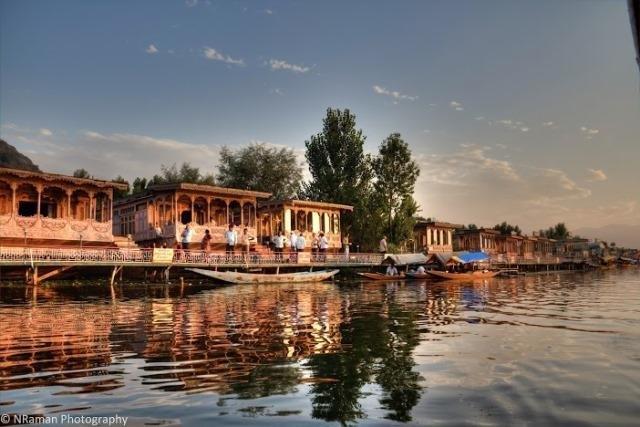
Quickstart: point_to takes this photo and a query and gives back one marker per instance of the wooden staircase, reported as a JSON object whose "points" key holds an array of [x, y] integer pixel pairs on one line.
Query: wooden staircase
{"points": [[123, 243]]}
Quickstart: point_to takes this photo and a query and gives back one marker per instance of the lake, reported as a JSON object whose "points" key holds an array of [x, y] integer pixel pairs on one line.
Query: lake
{"points": [[559, 349]]}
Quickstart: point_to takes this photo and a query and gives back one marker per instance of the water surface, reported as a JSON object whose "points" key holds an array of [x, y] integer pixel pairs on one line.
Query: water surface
{"points": [[554, 349]]}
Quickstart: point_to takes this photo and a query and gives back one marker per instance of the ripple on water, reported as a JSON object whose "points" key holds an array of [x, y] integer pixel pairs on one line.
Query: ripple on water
{"points": [[555, 349]]}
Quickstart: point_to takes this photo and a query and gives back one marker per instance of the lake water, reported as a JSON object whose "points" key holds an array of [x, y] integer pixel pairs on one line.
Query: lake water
{"points": [[561, 349]]}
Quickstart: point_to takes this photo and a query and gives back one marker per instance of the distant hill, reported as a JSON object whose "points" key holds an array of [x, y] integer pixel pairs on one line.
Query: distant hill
{"points": [[627, 236], [12, 158]]}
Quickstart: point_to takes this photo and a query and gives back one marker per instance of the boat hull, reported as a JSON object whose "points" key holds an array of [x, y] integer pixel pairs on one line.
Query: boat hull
{"points": [[245, 278], [381, 277], [479, 275], [418, 276]]}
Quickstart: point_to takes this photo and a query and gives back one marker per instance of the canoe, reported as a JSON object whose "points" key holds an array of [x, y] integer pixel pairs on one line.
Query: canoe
{"points": [[235, 277], [476, 275], [418, 276], [381, 277]]}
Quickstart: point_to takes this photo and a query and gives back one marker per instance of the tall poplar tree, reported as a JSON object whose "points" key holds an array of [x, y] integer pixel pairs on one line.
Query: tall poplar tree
{"points": [[341, 173], [396, 174]]}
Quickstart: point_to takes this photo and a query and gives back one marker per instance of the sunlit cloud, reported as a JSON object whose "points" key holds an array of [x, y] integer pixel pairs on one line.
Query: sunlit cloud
{"points": [[393, 94], [151, 49], [597, 175], [45, 132], [214, 55], [278, 64]]}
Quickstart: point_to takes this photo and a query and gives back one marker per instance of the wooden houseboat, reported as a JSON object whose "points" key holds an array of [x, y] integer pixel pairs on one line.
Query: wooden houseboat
{"points": [[434, 236], [47, 209]]}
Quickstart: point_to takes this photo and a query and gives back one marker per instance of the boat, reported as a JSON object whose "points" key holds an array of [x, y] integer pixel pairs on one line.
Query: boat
{"points": [[475, 275], [243, 278], [381, 277], [418, 276]]}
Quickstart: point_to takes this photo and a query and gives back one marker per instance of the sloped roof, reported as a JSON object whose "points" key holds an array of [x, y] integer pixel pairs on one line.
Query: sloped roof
{"points": [[405, 259]]}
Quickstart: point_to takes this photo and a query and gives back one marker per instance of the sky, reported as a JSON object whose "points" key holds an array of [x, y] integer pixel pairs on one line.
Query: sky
{"points": [[524, 111]]}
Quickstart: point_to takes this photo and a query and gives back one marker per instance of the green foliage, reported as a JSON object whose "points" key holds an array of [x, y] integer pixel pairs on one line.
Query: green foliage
{"points": [[472, 227], [396, 175], [119, 194], [186, 173], [259, 167], [507, 229], [82, 173], [558, 232], [341, 173]]}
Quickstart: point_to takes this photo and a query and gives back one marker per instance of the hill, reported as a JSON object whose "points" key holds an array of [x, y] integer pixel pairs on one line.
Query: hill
{"points": [[623, 235], [12, 158]]}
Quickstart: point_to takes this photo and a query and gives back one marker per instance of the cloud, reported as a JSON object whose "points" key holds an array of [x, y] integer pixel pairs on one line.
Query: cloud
{"points": [[45, 132], [277, 91], [456, 106], [191, 3], [548, 124], [524, 129], [589, 132], [475, 184], [268, 11], [151, 50], [213, 55], [278, 64], [597, 175], [393, 94]]}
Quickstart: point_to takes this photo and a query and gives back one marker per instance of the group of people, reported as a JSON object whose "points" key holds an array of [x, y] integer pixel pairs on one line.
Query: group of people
{"points": [[232, 239], [298, 243]]}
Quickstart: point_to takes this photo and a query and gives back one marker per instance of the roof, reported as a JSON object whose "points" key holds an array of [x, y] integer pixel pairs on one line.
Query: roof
{"points": [[463, 257], [66, 178], [405, 259], [438, 224], [468, 257], [208, 189], [306, 203], [478, 230]]}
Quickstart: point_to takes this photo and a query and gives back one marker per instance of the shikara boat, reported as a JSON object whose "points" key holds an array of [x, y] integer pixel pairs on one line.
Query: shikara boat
{"points": [[418, 276], [236, 277], [381, 277], [475, 275]]}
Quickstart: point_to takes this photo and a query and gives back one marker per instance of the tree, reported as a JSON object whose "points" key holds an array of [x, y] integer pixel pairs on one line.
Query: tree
{"points": [[82, 173], [341, 173], [186, 173], [507, 229], [558, 232], [396, 175], [259, 167], [472, 227], [119, 194]]}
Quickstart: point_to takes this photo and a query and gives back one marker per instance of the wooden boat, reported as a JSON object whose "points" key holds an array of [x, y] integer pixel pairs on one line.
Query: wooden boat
{"points": [[381, 277], [418, 276], [475, 275], [236, 277]]}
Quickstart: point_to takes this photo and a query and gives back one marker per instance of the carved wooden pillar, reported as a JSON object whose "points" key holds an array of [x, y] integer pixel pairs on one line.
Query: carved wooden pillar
{"points": [[227, 203], [193, 209], [69, 193], [242, 213], [39, 189], [91, 205], [208, 221], [14, 211]]}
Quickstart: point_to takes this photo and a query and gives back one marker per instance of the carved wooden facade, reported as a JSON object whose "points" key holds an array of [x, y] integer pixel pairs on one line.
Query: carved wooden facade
{"points": [[434, 236], [162, 213], [43, 209], [307, 217]]}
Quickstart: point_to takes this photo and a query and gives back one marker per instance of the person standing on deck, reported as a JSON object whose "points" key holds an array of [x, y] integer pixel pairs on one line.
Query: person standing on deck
{"points": [[324, 245], [383, 245], [301, 243], [245, 240], [314, 245], [345, 246], [231, 237], [205, 244], [278, 242], [186, 235], [293, 239]]}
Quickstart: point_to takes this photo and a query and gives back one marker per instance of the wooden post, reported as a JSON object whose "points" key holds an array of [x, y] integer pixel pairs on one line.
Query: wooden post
{"points": [[34, 279]]}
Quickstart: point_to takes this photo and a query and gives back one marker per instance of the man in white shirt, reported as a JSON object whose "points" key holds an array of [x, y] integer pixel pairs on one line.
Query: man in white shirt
{"points": [[383, 245], [301, 243], [323, 243], [421, 270], [231, 237], [187, 234], [293, 241], [278, 242], [392, 270]]}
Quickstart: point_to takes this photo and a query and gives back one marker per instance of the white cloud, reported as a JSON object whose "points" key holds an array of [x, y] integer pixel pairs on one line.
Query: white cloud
{"points": [[278, 64], [548, 124], [455, 104], [589, 132], [191, 3], [213, 55], [393, 94], [479, 118], [268, 11], [151, 49], [524, 129], [597, 175], [45, 132], [277, 91], [171, 51]]}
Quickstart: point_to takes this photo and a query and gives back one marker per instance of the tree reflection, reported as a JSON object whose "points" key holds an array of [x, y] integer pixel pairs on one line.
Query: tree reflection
{"points": [[378, 348]]}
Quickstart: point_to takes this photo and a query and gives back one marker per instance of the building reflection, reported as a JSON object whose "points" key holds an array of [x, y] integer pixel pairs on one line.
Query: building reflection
{"points": [[245, 342]]}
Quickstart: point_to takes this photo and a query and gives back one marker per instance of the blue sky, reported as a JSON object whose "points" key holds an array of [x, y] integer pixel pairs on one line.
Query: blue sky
{"points": [[516, 110]]}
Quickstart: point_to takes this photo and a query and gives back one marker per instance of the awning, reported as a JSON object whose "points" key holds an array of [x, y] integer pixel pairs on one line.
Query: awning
{"points": [[405, 259], [467, 257]]}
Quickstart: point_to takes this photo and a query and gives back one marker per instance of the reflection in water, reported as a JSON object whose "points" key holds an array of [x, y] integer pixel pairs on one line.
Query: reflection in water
{"points": [[350, 354]]}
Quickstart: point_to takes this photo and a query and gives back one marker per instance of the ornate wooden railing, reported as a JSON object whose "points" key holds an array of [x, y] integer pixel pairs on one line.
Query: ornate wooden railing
{"points": [[111, 256]]}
